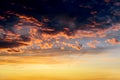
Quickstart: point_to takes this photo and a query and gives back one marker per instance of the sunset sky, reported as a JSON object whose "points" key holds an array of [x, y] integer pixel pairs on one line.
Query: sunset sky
{"points": [[59, 40]]}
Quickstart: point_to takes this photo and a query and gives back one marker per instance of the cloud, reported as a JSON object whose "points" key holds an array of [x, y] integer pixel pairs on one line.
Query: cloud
{"points": [[61, 32], [11, 47], [93, 43], [113, 41]]}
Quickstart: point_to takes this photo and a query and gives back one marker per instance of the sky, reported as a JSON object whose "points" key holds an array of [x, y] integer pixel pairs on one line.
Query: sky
{"points": [[59, 39]]}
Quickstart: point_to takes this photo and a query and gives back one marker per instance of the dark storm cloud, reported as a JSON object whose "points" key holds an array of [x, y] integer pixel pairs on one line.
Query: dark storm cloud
{"points": [[6, 44], [84, 14], [27, 20]]}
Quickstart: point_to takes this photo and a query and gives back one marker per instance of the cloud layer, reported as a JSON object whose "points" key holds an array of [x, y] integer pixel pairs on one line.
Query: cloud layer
{"points": [[85, 24]]}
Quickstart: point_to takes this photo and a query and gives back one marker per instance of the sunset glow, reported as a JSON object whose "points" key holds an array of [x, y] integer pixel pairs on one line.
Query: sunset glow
{"points": [[59, 40]]}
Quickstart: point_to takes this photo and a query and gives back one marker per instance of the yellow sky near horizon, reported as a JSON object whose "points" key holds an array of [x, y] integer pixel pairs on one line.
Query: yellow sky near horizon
{"points": [[103, 66]]}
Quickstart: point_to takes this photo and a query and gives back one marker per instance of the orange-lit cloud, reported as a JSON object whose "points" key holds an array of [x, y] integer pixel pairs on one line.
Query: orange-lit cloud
{"points": [[93, 43], [32, 32], [113, 41]]}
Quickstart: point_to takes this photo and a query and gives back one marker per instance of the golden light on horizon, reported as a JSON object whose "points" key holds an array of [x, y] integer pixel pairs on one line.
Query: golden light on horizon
{"points": [[103, 66]]}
